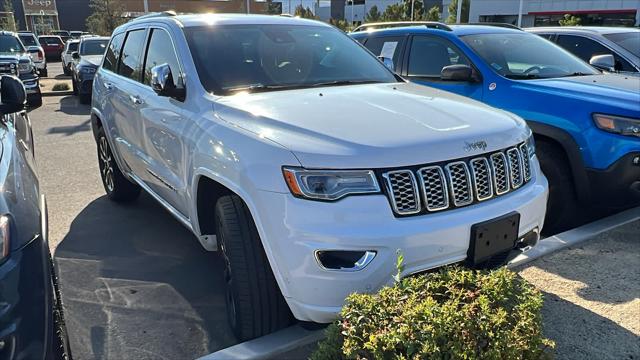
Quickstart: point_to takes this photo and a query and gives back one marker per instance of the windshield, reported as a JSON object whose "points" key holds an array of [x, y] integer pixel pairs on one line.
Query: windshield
{"points": [[28, 40], [269, 57], [73, 46], [93, 47], [10, 44], [50, 40], [526, 56], [629, 41]]}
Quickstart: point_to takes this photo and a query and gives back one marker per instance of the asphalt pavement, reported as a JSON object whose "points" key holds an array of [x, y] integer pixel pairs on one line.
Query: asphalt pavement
{"points": [[135, 283]]}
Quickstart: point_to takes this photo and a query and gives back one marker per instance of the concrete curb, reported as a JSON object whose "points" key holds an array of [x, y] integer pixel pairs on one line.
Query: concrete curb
{"points": [[575, 236], [273, 345], [57, 93], [269, 346]]}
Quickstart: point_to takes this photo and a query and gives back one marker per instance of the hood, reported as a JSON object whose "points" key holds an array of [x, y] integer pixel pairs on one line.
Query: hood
{"points": [[608, 89], [373, 126], [91, 60], [13, 57]]}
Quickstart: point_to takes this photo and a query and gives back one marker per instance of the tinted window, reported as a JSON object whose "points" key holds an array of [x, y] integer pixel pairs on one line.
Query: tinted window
{"points": [[93, 47], [131, 58], [525, 56], [267, 57], [28, 40], [50, 41], [428, 55], [629, 41], [388, 47], [10, 44], [585, 49], [72, 47], [113, 52], [160, 52]]}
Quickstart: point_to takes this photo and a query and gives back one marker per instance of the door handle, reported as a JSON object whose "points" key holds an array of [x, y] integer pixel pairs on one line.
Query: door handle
{"points": [[136, 100], [107, 85]]}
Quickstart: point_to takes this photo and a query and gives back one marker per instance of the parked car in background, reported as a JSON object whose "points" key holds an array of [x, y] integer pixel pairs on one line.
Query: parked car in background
{"points": [[85, 63], [30, 41], [615, 49], [31, 317], [64, 34], [15, 60], [76, 34], [70, 47], [586, 124], [306, 162], [52, 45]]}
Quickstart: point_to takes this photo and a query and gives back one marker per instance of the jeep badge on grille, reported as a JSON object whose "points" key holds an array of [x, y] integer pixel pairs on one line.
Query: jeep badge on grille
{"points": [[478, 145]]}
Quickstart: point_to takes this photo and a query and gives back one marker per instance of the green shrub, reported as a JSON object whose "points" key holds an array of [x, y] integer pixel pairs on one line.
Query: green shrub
{"points": [[60, 87], [450, 314]]}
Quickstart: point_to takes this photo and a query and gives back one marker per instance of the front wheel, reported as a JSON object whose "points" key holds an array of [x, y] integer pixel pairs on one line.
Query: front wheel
{"points": [[255, 305], [117, 186]]}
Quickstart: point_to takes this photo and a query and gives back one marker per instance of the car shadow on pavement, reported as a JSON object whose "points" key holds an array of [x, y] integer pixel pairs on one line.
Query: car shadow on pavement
{"points": [[137, 285], [71, 130], [581, 334], [70, 105]]}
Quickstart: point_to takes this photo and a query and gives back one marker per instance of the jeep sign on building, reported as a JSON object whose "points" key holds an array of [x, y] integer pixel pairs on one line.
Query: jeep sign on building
{"points": [[41, 16]]}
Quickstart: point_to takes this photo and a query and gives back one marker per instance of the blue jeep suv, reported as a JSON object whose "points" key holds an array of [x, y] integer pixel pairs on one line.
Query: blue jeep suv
{"points": [[586, 124]]}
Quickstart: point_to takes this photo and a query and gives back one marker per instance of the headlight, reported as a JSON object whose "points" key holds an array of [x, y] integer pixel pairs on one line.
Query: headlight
{"points": [[87, 70], [4, 237], [24, 67], [617, 124], [531, 146], [329, 184]]}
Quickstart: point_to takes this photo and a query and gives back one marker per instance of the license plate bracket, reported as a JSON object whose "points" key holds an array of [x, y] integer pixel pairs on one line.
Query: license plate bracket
{"points": [[493, 237]]}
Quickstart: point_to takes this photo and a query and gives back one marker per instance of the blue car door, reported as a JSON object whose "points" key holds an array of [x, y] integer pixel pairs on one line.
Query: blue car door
{"points": [[428, 54]]}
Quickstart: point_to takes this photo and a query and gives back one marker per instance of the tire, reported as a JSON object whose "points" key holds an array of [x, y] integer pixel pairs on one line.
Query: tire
{"points": [[34, 101], [255, 305], [74, 86], [44, 72], [85, 99], [562, 208], [116, 185], [60, 348]]}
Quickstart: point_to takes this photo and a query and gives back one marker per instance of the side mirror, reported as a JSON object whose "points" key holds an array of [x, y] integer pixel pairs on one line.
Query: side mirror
{"points": [[603, 62], [387, 62], [13, 96], [162, 83], [75, 55], [457, 73]]}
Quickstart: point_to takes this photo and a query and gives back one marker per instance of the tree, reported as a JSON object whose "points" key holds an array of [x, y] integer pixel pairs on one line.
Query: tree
{"points": [[340, 24], [570, 20], [274, 8], [373, 15], [107, 15], [453, 11], [433, 14], [7, 21], [303, 12], [394, 12], [418, 9]]}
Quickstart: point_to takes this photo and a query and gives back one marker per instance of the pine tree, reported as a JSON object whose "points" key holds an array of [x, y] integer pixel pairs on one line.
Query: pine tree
{"points": [[433, 14], [453, 11], [7, 21], [373, 15]]}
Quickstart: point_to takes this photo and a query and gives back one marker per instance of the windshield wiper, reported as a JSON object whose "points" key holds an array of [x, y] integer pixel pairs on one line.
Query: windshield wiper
{"points": [[262, 87], [522, 76], [344, 82], [576, 74]]}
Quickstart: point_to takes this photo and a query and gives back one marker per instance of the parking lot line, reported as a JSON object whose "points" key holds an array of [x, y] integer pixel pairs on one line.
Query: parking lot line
{"points": [[294, 337], [575, 236]]}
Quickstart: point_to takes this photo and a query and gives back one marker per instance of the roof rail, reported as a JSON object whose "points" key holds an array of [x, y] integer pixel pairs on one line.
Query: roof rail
{"points": [[502, 25], [157, 14], [393, 24]]}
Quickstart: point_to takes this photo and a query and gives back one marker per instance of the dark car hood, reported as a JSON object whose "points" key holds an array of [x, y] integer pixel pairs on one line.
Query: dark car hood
{"points": [[91, 60], [610, 89]]}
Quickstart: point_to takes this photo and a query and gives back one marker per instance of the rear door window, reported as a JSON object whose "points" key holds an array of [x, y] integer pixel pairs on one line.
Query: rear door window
{"points": [[131, 59], [585, 49], [386, 46], [113, 52]]}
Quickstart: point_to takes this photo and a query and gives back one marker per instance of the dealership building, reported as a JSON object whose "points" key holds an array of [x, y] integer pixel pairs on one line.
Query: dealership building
{"points": [[548, 12]]}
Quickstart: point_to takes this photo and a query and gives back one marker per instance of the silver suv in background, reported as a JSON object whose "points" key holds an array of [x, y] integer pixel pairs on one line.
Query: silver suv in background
{"points": [[614, 49], [30, 42], [84, 64], [70, 47]]}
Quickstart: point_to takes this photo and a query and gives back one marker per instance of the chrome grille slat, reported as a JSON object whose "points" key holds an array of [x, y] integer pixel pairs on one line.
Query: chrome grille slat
{"points": [[481, 175], [459, 183], [526, 161], [500, 170], [434, 188], [403, 188], [515, 167]]}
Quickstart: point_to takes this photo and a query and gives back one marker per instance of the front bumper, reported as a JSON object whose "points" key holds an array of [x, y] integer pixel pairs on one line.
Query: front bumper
{"points": [[31, 83], [293, 229], [25, 302], [85, 83], [618, 186]]}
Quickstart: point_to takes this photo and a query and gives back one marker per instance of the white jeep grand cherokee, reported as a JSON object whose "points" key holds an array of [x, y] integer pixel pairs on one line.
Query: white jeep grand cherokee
{"points": [[295, 153]]}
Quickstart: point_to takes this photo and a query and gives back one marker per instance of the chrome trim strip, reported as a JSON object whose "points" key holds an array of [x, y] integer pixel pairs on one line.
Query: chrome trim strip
{"points": [[489, 178], [392, 197], [469, 186], [443, 182]]}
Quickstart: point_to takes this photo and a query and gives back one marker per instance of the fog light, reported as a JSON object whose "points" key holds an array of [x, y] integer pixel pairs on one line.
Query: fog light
{"points": [[344, 260], [636, 160]]}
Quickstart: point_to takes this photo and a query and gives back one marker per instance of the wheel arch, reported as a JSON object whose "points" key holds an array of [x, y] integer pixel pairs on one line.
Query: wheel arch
{"points": [[565, 142]]}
